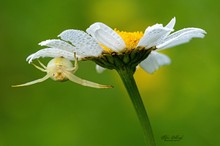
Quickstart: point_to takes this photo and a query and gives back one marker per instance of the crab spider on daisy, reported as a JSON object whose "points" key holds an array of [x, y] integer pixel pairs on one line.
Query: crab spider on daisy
{"points": [[113, 49], [62, 69]]}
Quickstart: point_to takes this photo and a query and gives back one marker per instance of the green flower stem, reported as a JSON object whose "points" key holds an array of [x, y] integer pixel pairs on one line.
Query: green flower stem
{"points": [[126, 75]]}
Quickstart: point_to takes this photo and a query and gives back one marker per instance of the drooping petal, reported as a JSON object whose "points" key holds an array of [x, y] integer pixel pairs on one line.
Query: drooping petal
{"points": [[100, 69], [171, 24], [106, 36], [56, 43], [153, 35], [180, 37], [84, 43], [154, 61], [50, 52]]}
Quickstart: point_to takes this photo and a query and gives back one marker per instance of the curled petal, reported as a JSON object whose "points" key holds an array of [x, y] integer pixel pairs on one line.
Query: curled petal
{"points": [[100, 69], [106, 36], [84, 43], [180, 37], [154, 61], [153, 35], [56, 43], [50, 52]]}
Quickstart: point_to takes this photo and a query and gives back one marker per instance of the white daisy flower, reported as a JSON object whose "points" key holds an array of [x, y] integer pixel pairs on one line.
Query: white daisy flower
{"points": [[114, 49], [156, 37], [105, 39]]}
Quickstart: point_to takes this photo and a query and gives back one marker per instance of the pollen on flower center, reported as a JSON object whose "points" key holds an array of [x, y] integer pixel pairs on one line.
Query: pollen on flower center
{"points": [[131, 39]]}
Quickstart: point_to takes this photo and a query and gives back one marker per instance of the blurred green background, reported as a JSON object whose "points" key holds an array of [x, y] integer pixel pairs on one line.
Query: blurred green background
{"points": [[182, 99]]}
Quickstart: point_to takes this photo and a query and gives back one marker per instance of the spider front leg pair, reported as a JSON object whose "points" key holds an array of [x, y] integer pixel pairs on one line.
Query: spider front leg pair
{"points": [[61, 69]]}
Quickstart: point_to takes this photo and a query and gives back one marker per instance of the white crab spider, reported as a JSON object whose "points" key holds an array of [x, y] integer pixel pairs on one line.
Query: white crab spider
{"points": [[62, 69]]}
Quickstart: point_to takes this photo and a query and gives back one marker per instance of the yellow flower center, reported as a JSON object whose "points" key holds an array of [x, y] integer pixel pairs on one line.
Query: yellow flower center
{"points": [[131, 39]]}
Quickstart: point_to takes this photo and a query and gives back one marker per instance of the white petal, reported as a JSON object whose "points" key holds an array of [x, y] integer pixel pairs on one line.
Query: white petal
{"points": [[106, 36], [171, 24], [179, 32], [180, 37], [85, 44], [56, 43], [50, 52], [153, 35], [154, 61], [100, 69]]}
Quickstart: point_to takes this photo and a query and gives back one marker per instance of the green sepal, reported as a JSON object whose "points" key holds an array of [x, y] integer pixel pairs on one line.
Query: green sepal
{"points": [[130, 58]]}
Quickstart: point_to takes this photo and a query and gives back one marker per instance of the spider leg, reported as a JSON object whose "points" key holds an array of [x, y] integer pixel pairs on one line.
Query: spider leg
{"points": [[83, 82], [33, 82], [76, 62], [76, 66], [41, 69], [42, 64]]}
